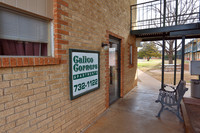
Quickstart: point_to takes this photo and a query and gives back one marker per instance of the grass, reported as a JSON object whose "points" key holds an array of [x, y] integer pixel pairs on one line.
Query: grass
{"points": [[153, 68], [146, 66], [152, 64]]}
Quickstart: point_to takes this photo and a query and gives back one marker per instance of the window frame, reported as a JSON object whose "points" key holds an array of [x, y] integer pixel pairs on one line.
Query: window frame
{"points": [[131, 55], [28, 61], [50, 30]]}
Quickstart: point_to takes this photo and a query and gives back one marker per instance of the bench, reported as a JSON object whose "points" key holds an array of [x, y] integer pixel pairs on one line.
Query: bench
{"points": [[171, 100], [170, 67]]}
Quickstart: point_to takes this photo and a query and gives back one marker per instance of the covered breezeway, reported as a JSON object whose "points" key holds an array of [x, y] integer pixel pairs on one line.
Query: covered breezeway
{"points": [[136, 112]]}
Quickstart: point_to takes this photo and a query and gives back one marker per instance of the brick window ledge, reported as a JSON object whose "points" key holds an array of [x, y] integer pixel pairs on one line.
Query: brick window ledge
{"points": [[6, 62], [130, 65]]}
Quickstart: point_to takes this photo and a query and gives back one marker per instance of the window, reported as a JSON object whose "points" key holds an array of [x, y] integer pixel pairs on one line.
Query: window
{"points": [[22, 35], [131, 55]]}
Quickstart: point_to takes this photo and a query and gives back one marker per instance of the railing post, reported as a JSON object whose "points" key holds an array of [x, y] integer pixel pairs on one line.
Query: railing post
{"points": [[164, 13], [176, 12], [160, 12]]}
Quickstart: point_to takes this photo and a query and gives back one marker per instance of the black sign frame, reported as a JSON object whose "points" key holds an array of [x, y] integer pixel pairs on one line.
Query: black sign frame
{"points": [[72, 97]]}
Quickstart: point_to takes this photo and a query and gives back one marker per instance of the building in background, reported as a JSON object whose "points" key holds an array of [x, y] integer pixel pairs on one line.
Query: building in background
{"points": [[192, 50]]}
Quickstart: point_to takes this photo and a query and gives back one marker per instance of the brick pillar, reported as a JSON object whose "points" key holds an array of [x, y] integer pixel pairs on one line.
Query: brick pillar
{"points": [[59, 31]]}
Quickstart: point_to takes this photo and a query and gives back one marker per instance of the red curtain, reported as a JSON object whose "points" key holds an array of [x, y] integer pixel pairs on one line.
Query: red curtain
{"points": [[5, 47], [43, 49], [20, 48], [36, 49], [28, 48], [12, 47], [1, 51]]}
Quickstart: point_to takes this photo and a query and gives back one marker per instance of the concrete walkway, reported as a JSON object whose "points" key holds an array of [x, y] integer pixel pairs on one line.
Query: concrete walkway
{"points": [[135, 113]]}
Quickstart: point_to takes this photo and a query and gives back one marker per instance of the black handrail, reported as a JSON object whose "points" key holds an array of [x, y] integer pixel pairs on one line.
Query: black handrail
{"points": [[156, 13]]}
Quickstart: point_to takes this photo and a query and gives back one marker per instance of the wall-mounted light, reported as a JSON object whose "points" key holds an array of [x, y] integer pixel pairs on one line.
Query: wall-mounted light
{"points": [[105, 46]]}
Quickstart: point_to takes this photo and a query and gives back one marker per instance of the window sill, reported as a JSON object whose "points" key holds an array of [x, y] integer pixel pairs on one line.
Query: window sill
{"points": [[7, 62], [130, 66]]}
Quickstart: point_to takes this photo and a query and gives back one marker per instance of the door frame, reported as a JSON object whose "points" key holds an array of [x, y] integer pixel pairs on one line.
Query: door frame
{"points": [[107, 72], [119, 65]]}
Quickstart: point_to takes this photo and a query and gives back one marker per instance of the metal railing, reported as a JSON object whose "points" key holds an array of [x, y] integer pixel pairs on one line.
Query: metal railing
{"points": [[163, 13]]}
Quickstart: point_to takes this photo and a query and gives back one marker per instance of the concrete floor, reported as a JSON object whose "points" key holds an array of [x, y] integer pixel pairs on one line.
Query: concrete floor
{"points": [[136, 112]]}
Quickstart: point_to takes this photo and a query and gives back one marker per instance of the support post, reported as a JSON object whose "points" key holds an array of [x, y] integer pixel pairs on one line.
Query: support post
{"points": [[175, 60], [183, 58], [163, 62], [160, 12]]}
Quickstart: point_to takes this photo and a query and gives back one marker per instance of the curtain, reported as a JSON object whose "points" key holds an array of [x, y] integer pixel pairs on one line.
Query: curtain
{"points": [[1, 51], [29, 49], [20, 48], [36, 49], [5, 47], [43, 49]]}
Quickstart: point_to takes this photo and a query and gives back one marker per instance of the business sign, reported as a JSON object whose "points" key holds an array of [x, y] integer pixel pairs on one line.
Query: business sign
{"points": [[84, 72]]}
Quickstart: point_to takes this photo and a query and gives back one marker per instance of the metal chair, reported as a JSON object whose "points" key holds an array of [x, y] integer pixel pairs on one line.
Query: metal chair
{"points": [[171, 100]]}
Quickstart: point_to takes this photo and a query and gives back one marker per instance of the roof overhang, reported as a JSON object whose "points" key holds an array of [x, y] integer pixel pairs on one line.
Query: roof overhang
{"points": [[170, 32]]}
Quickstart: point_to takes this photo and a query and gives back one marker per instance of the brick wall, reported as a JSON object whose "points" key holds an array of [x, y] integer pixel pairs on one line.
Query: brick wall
{"points": [[35, 98], [130, 70]]}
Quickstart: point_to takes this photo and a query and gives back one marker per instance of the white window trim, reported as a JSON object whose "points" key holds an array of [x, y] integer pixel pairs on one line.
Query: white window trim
{"points": [[131, 54], [52, 39]]}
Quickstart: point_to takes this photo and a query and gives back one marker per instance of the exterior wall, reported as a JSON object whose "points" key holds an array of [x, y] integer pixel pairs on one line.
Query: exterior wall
{"points": [[134, 12], [130, 70], [36, 98], [133, 2], [39, 7]]}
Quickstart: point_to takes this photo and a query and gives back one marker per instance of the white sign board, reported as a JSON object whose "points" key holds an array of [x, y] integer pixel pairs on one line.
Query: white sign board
{"points": [[84, 72]]}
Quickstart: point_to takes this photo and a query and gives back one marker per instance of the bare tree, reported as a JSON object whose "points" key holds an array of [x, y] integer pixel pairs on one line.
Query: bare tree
{"points": [[188, 12]]}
